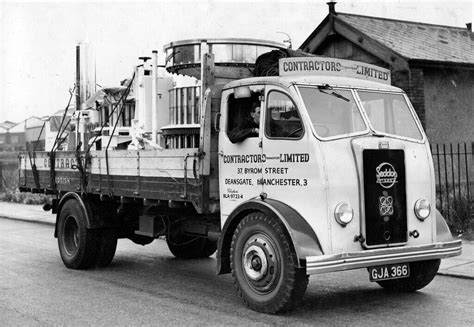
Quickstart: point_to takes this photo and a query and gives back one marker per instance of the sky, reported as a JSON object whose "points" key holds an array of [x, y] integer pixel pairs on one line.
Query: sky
{"points": [[38, 39]]}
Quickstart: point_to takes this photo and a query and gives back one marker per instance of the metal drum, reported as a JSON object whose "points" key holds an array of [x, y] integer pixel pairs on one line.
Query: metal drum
{"points": [[184, 113], [233, 58], [184, 105]]}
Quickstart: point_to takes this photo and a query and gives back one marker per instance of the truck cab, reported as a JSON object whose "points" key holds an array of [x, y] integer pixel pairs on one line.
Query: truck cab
{"points": [[342, 170]]}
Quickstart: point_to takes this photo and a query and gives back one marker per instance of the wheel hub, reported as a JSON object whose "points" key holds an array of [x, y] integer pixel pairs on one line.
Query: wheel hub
{"points": [[70, 235], [260, 262], [256, 263]]}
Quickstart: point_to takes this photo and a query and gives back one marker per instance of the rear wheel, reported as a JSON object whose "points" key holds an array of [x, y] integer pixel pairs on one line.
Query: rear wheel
{"points": [[140, 239], [107, 245], [421, 274], [77, 244], [264, 266], [190, 247]]}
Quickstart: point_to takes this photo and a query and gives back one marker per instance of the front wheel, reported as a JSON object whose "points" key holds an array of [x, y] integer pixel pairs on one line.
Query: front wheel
{"points": [[264, 266], [421, 274]]}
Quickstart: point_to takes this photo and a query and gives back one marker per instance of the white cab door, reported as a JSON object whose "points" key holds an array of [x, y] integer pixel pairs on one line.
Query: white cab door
{"points": [[240, 164]]}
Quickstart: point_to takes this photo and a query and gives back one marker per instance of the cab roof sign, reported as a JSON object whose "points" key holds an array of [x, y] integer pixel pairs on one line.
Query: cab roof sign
{"points": [[333, 67]]}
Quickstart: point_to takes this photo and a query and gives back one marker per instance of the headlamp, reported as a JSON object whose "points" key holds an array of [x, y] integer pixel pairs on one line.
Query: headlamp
{"points": [[343, 213], [422, 209]]}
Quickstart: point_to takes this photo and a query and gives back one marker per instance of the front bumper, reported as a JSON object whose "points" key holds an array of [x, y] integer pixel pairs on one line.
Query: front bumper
{"points": [[371, 258]]}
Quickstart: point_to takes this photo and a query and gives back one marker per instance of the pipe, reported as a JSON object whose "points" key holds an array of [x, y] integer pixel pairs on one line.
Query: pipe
{"points": [[204, 51], [78, 89], [154, 92], [78, 77]]}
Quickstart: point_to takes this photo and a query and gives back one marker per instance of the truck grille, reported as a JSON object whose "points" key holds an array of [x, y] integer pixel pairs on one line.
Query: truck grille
{"points": [[385, 197]]}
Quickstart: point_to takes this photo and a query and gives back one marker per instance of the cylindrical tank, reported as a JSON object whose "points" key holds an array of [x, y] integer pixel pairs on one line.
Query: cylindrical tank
{"points": [[233, 58], [184, 105], [184, 114]]}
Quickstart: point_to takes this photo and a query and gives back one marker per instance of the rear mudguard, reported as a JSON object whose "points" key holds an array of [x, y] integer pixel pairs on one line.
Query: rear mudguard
{"points": [[95, 218], [304, 240]]}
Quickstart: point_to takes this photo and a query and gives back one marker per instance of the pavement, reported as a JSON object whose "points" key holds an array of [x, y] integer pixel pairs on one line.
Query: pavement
{"points": [[461, 266]]}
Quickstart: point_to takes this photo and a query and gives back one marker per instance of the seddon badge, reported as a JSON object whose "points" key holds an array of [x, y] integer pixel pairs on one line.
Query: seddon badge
{"points": [[386, 205], [386, 175]]}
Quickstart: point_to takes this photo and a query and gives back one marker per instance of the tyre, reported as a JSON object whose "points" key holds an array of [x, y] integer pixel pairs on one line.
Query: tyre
{"points": [[421, 274], [77, 244], [106, 247], [140, 239], [264, 266], [190, 247]]}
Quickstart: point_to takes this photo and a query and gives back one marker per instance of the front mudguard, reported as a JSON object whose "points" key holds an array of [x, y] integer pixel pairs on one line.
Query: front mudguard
{"points": [[443, 234], [304, 240]]}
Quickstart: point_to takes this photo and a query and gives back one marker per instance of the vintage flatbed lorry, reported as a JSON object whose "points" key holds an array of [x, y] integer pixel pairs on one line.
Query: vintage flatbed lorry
{"points": [[338, 174]]}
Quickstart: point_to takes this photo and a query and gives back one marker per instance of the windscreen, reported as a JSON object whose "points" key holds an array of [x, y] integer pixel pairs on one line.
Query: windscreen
{"points": [[389, 113], [333, 112]]}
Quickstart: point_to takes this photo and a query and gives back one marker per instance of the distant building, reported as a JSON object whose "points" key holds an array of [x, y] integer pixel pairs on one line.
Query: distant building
{"points": [[26, 135], [3, 137], [12, 136], [433, 64], [7, 124]]}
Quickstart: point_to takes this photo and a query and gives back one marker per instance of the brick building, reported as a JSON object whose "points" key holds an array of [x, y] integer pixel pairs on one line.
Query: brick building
{"points": [[433, 64]]}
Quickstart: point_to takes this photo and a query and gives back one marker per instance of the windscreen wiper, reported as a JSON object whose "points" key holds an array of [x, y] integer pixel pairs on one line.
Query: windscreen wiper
{"points": [[323, 88]]}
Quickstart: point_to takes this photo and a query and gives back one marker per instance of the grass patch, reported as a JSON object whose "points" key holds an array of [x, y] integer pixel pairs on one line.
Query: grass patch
{"points": [[460, 216], [25, 198]]}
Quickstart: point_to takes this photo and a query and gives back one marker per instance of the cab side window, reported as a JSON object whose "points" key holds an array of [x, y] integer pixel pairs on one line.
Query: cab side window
{"points": [[243, 117], [282, 118]]}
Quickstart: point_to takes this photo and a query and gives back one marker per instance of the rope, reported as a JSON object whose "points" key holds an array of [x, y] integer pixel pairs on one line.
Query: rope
{"points": [[52, 154], [267, 64], [121, 100], [62, 120], [125, 93]]}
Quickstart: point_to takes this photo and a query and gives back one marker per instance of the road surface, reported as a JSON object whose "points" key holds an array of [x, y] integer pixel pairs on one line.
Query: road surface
{"points": [[146, 285]]}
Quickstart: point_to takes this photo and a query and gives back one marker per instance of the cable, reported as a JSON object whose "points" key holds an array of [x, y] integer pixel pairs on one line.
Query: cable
{"points": [[64, 117], [61, 139], [52, 178], [124, 95]]}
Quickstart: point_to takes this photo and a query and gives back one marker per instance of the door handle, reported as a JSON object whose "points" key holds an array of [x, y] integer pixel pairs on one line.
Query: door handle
{"points": [[216, 122]]}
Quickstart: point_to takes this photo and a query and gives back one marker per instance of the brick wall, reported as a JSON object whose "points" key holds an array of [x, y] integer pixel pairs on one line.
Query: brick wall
{"points": [[412, 82], [449, 96], [443, 100]]}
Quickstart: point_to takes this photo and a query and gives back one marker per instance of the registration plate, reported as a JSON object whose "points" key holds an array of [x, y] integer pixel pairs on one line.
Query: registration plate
{"points": [[379, 273]]}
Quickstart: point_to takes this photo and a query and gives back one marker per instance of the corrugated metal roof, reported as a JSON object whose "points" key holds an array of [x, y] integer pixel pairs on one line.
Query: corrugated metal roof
{"points": [[415, 40], [30, 122], [18, 128], [7, 124]]}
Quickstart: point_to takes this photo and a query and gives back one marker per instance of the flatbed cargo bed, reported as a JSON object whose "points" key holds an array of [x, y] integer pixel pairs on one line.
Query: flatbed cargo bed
{"points": [[169, 174]]}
